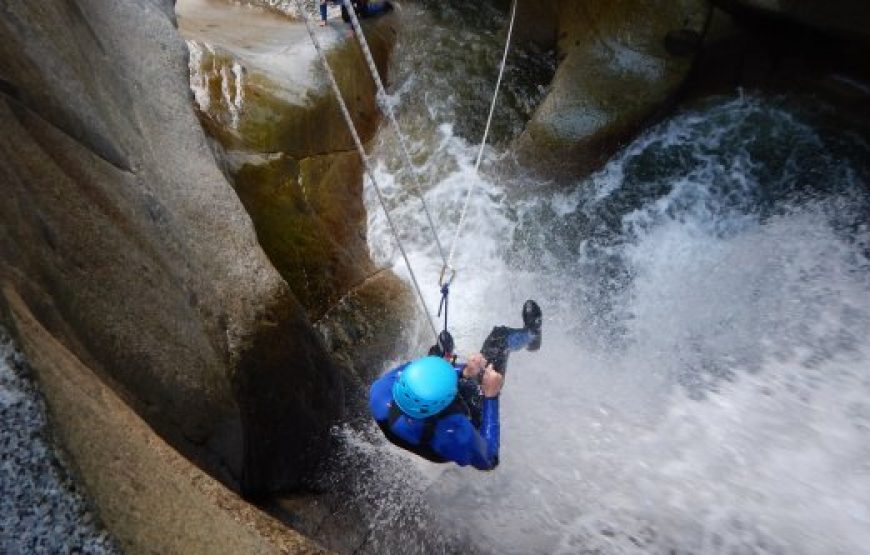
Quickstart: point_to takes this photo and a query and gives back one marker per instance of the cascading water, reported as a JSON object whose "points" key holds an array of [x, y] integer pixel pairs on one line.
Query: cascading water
{"points": [[704, 383]]}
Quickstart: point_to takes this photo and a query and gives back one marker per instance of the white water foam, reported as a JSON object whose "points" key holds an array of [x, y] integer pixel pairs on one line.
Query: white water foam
{"points": [[479, 256], [198, 77], [731, 414], [601, 451]]}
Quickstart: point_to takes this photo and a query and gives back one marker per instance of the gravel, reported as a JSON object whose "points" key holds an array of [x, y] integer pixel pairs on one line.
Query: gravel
{"points": [[42, 507]]}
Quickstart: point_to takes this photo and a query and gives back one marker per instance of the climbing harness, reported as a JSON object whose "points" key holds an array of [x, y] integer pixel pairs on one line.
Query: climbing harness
{"points": [[448, 273]]}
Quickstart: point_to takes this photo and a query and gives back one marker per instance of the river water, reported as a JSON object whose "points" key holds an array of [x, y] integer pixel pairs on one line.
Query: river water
{"points": [[704, 380]]}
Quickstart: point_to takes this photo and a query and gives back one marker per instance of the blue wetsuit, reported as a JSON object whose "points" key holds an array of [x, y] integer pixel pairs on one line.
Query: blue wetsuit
{"points": [[365, 9], [467, 431], [447, 436]]}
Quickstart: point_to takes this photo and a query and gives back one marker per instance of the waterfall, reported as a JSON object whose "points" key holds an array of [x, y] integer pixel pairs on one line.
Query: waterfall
{"points": [[704, 384]]}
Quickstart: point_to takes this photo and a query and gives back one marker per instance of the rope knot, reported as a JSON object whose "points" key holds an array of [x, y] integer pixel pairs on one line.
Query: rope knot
{"points": [[445, 293]]}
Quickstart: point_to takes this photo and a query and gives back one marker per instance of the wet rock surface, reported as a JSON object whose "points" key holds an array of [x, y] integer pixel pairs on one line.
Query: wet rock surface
{"points": [[121, 234], [263, 96], [376, 502], [624, 65], [754, 49], [376, 317], [152, 498], [615, 72]]}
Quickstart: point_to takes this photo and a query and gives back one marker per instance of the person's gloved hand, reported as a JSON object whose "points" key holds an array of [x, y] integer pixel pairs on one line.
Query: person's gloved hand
{"points": [[492, 382], [474, 366]]}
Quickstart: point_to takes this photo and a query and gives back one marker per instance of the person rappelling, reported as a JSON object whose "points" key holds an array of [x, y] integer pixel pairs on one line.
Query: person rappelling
{"points": [[431, 406], [449, 412]]}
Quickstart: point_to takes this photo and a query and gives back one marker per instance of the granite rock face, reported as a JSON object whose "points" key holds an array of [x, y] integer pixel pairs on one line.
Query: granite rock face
{"points": [[617, 67], [150, 497], [263, 96], [43, 508], [623, 64], [121, 234]]}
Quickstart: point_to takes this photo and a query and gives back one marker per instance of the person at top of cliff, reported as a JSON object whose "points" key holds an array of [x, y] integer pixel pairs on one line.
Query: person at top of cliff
{"points": [[323, 14], [365, 8], [448, 412]]}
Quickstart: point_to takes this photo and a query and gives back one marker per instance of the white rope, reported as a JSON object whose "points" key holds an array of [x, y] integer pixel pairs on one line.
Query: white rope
{"points": [[364, 158], [388, 110], [483, 142]]}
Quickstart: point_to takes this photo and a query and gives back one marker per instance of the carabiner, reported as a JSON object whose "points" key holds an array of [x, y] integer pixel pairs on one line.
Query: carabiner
{"points": [[441, 282]]}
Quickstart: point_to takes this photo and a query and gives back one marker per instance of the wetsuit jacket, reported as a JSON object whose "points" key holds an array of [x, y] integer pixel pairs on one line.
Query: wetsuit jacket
{"points": [[447, 436]]}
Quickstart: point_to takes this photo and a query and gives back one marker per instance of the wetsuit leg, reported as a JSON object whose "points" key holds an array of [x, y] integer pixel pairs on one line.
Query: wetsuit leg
{"points": [[496, 348], [499, 344], [375, 8]]}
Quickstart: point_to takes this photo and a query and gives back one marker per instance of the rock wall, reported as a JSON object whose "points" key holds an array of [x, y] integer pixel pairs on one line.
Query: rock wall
{"points": [[287, 150], [619, 63], [623, 64], [295, 167], [152, 498], [122, 236], [752, 49]]}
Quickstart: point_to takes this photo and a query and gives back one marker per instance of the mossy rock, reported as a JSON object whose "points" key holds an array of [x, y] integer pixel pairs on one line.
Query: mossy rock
{"points": [[297, 171], [248, 111], [310, 220], [374, 322]]}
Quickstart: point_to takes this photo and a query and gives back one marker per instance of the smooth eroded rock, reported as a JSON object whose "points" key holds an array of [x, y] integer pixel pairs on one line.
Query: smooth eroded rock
{"points": [[615, 73], [152, 498], [264, 96], [124, 238]]}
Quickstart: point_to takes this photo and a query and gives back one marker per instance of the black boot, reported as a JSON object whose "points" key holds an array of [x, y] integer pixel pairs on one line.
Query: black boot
{"points": [[532, 319]]}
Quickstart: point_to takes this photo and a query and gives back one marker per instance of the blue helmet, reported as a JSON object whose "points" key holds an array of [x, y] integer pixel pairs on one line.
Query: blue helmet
{"points": [[425, 387]]}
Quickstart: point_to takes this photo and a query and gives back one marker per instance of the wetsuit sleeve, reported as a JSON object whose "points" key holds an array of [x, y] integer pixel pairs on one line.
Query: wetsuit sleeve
{"points": [[457, 440], [490, 429], [381, 394]]}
